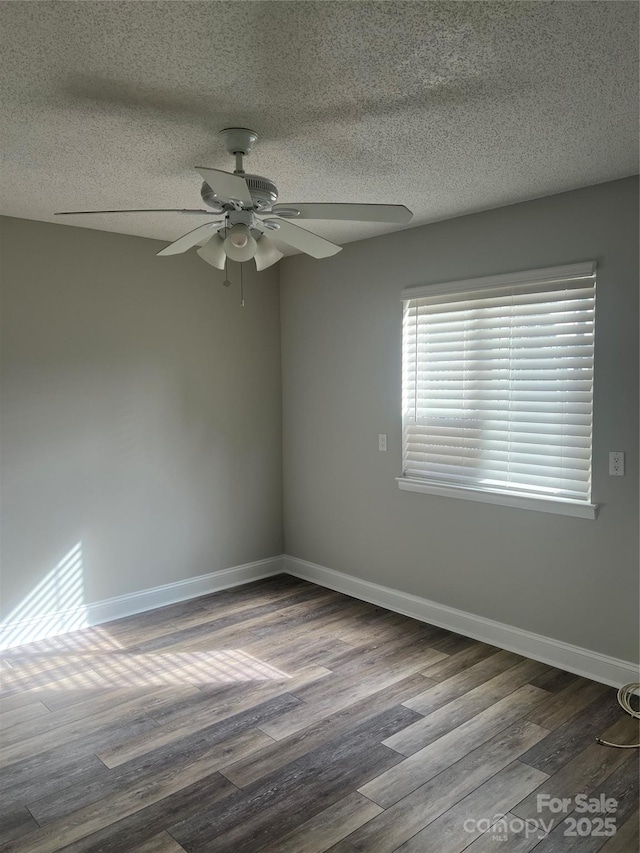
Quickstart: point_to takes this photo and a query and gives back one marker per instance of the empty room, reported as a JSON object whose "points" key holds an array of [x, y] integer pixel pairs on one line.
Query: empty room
{"points": [[319, 366]]}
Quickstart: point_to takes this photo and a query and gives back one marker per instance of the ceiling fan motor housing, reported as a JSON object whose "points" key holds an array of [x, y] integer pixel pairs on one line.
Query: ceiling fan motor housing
{"points": [[263, 192]]}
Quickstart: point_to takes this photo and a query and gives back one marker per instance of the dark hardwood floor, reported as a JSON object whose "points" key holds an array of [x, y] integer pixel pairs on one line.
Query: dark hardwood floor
{"points": [[285, 718]]}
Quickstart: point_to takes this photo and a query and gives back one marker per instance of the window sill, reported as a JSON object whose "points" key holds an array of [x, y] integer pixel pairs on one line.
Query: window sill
{"points": [[559, 506]]}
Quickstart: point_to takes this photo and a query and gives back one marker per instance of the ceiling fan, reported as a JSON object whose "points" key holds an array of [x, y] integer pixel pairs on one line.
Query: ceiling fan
{"points": [[246, 212]]}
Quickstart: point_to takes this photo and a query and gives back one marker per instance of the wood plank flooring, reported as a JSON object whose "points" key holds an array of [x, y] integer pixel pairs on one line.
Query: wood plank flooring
{"points": [[285, 718]]}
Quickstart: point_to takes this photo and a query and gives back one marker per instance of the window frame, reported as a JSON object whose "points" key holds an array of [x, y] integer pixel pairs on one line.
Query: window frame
{"points": [[511, 497]]}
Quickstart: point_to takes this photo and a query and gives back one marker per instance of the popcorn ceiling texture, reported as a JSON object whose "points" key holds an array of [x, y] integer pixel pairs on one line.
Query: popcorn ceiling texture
{"points": [[445, 107]]}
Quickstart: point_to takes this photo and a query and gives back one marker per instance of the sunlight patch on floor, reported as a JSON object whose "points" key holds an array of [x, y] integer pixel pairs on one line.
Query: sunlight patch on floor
{"points": [[94, 658], [128, 669]]}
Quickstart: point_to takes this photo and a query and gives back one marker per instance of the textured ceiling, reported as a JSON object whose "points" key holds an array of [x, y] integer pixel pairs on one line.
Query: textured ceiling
{"points": [[445, 107]]}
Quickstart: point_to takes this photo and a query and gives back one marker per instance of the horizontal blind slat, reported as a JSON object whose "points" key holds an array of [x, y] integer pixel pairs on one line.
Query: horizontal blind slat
{"points": [[521, 474], [540, 451], [554, 344]]}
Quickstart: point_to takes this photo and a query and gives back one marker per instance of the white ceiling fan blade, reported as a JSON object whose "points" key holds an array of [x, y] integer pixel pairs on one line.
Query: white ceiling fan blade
{"points": [[227, 186], [136, 210], [266, 254], [358, 212], [213, 252], [188, 240], [302, 239]]}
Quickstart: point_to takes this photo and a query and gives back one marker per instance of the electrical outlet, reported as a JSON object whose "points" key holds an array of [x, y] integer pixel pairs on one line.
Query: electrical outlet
{"points": [[616, 463], [382, 441]]}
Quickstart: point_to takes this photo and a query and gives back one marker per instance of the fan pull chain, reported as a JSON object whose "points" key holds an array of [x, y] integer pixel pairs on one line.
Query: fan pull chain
{"points": [[226, 281], [241, 288]]}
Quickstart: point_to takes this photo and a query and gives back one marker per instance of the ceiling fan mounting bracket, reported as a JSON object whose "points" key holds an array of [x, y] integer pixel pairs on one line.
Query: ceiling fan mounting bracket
{"points": [[238, 140]]}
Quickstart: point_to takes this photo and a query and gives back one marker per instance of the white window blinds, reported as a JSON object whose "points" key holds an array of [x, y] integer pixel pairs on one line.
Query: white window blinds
{"points": [[498, 383]]}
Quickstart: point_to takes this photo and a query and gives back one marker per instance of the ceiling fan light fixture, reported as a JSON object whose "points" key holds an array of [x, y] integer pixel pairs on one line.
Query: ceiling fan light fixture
{"points": [[213, 252], [266, 254], [239, 239], [239, 243]]}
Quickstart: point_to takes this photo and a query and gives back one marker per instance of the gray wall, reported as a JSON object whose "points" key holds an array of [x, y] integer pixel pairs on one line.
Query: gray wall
{"points": [[571, 579], [141, 413], [141, 418]]}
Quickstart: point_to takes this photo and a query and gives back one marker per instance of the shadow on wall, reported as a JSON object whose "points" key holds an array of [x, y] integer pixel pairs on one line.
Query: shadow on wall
{"points": [[55, 606]]}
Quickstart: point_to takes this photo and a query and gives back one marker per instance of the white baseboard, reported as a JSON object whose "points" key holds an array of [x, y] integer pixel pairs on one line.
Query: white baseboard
{"points": [[585, 662], [57, 622], [590, 664]]}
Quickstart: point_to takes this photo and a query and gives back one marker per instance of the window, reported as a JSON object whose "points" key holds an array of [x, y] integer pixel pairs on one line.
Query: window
{"points": [[498, 389]]}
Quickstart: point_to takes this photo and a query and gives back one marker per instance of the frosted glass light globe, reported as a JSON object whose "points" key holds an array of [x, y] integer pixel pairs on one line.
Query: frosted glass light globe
{"points": [[239, 245]]}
